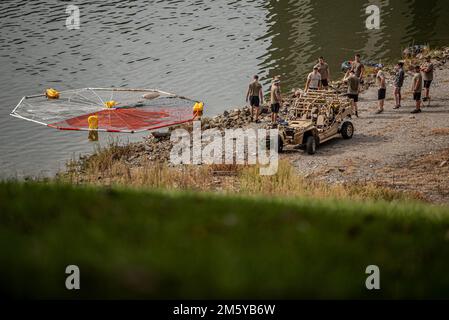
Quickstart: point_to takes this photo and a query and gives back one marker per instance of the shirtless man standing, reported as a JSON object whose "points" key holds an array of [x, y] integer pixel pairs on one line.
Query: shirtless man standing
{"points": [[382, 91], [254, 96], [276, 100], [417, 89]]}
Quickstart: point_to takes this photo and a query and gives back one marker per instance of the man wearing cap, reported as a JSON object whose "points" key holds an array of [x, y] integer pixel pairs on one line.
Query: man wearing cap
{"points": [[255, 97], [382, 91], [427, 72], [313, 80], [276, 100]]}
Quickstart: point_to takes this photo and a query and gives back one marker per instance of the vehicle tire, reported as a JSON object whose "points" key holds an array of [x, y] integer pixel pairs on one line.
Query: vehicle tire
{"points": [[311, 145], [280, 144], [347, 130]]}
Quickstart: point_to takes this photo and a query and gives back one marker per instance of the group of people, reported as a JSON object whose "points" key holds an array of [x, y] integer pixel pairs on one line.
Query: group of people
{"points": [[255, 98], [423, 77], [319, 79]]}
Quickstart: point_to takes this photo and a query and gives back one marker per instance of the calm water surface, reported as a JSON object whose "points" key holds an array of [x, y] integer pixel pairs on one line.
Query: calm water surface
{"points": [[205, 49]]}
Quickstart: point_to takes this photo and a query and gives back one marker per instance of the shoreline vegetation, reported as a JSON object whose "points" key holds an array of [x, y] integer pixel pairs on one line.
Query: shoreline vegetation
{"points": [[104, 169], [146, 164]]}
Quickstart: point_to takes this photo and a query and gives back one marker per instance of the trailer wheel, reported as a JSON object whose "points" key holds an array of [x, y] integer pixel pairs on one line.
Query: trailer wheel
{"points": [[347, 130], [311, 145]]}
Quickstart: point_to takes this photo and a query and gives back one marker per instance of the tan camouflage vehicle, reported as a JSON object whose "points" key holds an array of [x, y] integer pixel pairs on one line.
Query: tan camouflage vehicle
{"points": [[315, 118]]}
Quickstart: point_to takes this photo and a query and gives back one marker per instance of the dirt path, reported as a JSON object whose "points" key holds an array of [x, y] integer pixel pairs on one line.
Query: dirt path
{"points": [[395, 149]]}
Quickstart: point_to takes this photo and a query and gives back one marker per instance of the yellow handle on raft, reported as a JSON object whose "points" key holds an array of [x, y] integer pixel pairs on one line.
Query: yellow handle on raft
{"points": [[110, 104], [52, 93], [198, 108], [93, 122]]}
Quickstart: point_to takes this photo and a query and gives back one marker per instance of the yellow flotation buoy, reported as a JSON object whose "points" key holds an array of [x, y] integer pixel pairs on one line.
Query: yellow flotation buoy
{"points": [[198, 109], [93, 128], [110, 104], [52, 93]]}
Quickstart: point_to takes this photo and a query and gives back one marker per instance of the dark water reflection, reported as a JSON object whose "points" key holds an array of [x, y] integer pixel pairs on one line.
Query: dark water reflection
{"points": [[302, 30], [201, 48]]}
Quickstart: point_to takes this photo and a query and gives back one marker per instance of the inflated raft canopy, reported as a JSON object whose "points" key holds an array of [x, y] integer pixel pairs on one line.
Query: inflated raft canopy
{"points": [[114, 109]]}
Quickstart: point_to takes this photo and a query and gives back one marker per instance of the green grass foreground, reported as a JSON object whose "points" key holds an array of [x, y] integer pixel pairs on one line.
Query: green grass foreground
{"points": [[135, 244]]}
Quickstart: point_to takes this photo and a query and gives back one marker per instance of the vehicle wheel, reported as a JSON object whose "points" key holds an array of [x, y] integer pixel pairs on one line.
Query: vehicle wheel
{"points": [[347, 130], [280, 144], [311, 145]]}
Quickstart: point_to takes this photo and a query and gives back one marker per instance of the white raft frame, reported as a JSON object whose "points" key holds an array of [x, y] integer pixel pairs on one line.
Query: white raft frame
{"points": [[16, 115]]}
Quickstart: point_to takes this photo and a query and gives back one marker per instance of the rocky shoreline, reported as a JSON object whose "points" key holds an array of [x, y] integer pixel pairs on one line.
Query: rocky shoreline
{"points": [[156, 147]]}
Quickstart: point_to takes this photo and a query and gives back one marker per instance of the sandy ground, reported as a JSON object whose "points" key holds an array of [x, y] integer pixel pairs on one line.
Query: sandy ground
{"points": [[395, 149]]}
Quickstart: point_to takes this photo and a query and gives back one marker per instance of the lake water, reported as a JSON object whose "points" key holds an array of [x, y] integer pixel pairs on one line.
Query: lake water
{"points": [[206, 49]]}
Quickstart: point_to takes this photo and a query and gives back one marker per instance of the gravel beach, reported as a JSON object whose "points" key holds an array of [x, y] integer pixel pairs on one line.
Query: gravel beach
{"points": [[395, 149]]}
